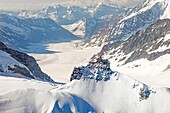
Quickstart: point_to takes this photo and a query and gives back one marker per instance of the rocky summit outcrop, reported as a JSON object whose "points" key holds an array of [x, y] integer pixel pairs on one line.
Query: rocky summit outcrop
{"points": [[150, 43], [26, 60], [98, 70]]}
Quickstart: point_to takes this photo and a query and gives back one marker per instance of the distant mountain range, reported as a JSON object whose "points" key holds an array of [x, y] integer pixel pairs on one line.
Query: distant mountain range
{"points": [[78, 20], [64, 15]]}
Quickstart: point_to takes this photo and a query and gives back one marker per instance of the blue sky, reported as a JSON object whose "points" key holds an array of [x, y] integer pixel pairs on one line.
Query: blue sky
{"points": [[37, 4]]}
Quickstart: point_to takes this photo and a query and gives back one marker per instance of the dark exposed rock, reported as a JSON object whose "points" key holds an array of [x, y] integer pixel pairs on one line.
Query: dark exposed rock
{"points": [[167, 68], [21, 70], [147, 38], [143, 44], [1, 68], [28, 61], [98, 70], [137, 55]]}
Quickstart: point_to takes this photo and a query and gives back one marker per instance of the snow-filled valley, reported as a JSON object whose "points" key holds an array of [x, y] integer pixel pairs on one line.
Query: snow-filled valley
{"points": [[64, 57]]}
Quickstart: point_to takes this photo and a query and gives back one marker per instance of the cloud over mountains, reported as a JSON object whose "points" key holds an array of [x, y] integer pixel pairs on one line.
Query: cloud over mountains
{"points": [[36, 4]]}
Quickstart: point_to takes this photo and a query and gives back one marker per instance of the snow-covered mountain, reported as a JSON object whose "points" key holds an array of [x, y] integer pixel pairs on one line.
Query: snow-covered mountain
{"points": [[18, 64], [118, 94], [19, 33], [65, 15], [138, 44], [143, 52], [137, 18]]}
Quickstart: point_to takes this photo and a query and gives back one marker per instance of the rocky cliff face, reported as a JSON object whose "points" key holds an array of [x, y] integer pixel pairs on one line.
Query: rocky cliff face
{"points": [[150, 43], [33, 70]]}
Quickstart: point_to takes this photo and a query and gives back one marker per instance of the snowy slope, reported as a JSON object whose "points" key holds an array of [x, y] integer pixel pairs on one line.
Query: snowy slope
{"points": [[119, 94], [25, 96], [151, 72]]}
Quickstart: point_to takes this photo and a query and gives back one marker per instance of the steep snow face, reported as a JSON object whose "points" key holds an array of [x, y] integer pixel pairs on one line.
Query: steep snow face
{"points": [[18, 33], [148, 4]]}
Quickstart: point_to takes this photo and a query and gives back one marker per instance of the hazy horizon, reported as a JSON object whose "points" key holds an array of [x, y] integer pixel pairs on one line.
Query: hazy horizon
{"points": [[38, 4]]}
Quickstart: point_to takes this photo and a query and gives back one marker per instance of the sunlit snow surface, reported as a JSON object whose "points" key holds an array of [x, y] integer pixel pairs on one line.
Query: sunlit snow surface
{"points": [[81, 96]]}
